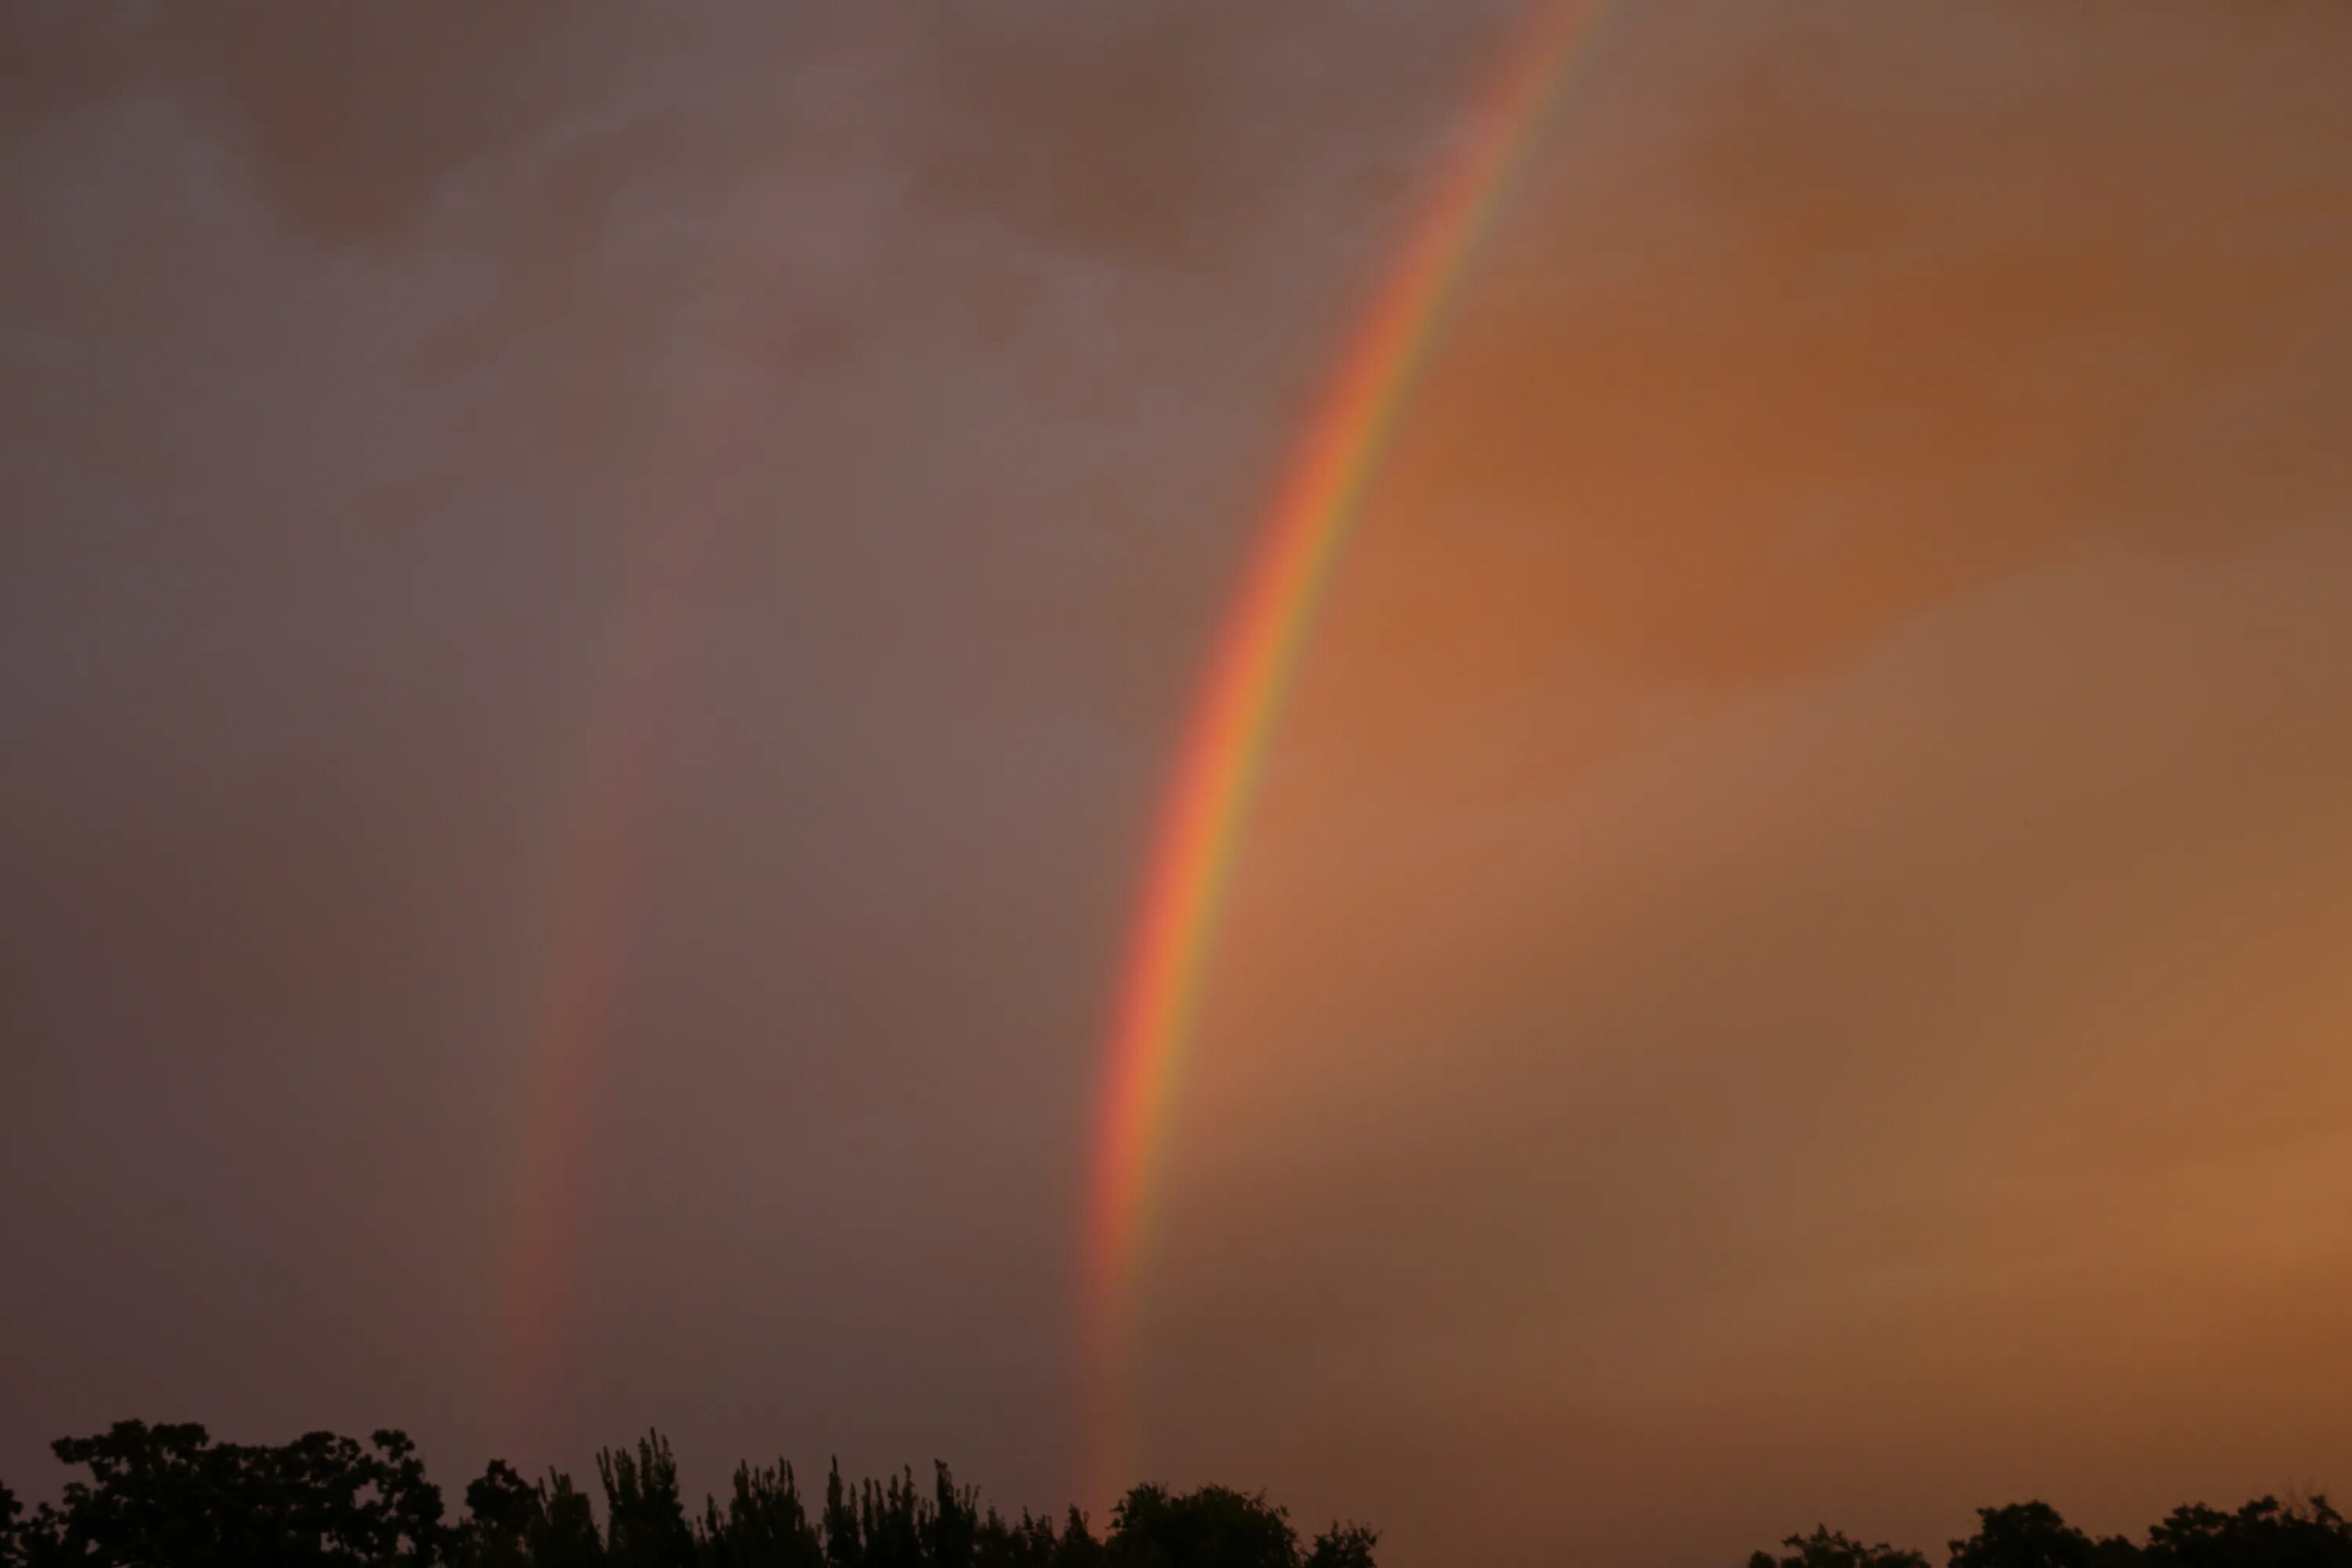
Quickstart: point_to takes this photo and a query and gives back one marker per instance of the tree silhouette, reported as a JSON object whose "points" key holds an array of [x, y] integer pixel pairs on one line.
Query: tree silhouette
{"points": [[1153, 1529], [2264, 1533], [1344, 1546], [1078, 1548], [644, 1516], [845, 1545], [504, 1513], [2034, 1535], [766, 1524], [168, 1496], [566, 1535], [1827, 1548]]}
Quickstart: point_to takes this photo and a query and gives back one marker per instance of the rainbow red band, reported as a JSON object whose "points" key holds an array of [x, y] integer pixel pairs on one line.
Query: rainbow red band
{"points": [[1298, 544], [1251, 669]]}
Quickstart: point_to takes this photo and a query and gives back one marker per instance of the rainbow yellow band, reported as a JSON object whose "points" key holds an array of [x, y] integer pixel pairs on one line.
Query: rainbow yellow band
{"points": [[1251, 669]]}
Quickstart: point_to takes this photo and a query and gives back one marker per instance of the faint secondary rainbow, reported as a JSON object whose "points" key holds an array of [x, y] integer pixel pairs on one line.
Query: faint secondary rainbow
{"points": [[597, 848], [1250, 670], [604, 837]]}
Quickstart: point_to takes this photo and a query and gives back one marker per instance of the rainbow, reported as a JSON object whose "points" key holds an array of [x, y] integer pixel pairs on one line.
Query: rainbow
{"points": [[1297, 545], [601, 840], [597, 848]]}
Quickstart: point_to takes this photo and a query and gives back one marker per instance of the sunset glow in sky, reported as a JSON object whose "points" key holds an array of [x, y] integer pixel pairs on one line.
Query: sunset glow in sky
{"points": [[606, 614]]}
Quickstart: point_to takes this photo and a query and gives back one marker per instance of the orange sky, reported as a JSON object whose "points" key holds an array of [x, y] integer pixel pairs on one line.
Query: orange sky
{"points": [[1791, 947]]}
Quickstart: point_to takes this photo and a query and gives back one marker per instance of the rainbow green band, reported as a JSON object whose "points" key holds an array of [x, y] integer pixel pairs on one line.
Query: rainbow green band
{"points": [[1251, 669]]}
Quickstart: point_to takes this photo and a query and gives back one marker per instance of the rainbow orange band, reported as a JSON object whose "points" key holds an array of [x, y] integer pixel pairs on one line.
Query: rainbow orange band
{"points": [[1299, 543]]}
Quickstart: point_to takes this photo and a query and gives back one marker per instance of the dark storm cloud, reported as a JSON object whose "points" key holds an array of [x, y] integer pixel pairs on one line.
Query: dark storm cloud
{"points": [[380, 382]]}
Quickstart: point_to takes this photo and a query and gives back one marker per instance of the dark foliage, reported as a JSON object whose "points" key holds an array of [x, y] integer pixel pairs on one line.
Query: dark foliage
{"points": [[1344, 1546], [169, 1497], [2265, 1534], [1827, 1548], [2032, 1535], [1153, 1529]]}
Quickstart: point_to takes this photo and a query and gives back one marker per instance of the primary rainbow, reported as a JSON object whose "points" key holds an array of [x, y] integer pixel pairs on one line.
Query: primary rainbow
{"points": [[1251, 668]]}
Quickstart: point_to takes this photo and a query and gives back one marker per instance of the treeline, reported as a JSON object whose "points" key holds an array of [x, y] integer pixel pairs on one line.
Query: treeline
{"points": [[169, 1497], [2265, 1534]]}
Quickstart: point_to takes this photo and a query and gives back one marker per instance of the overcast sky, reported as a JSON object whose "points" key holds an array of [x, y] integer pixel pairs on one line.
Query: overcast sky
{"points": [[651, 560]]}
